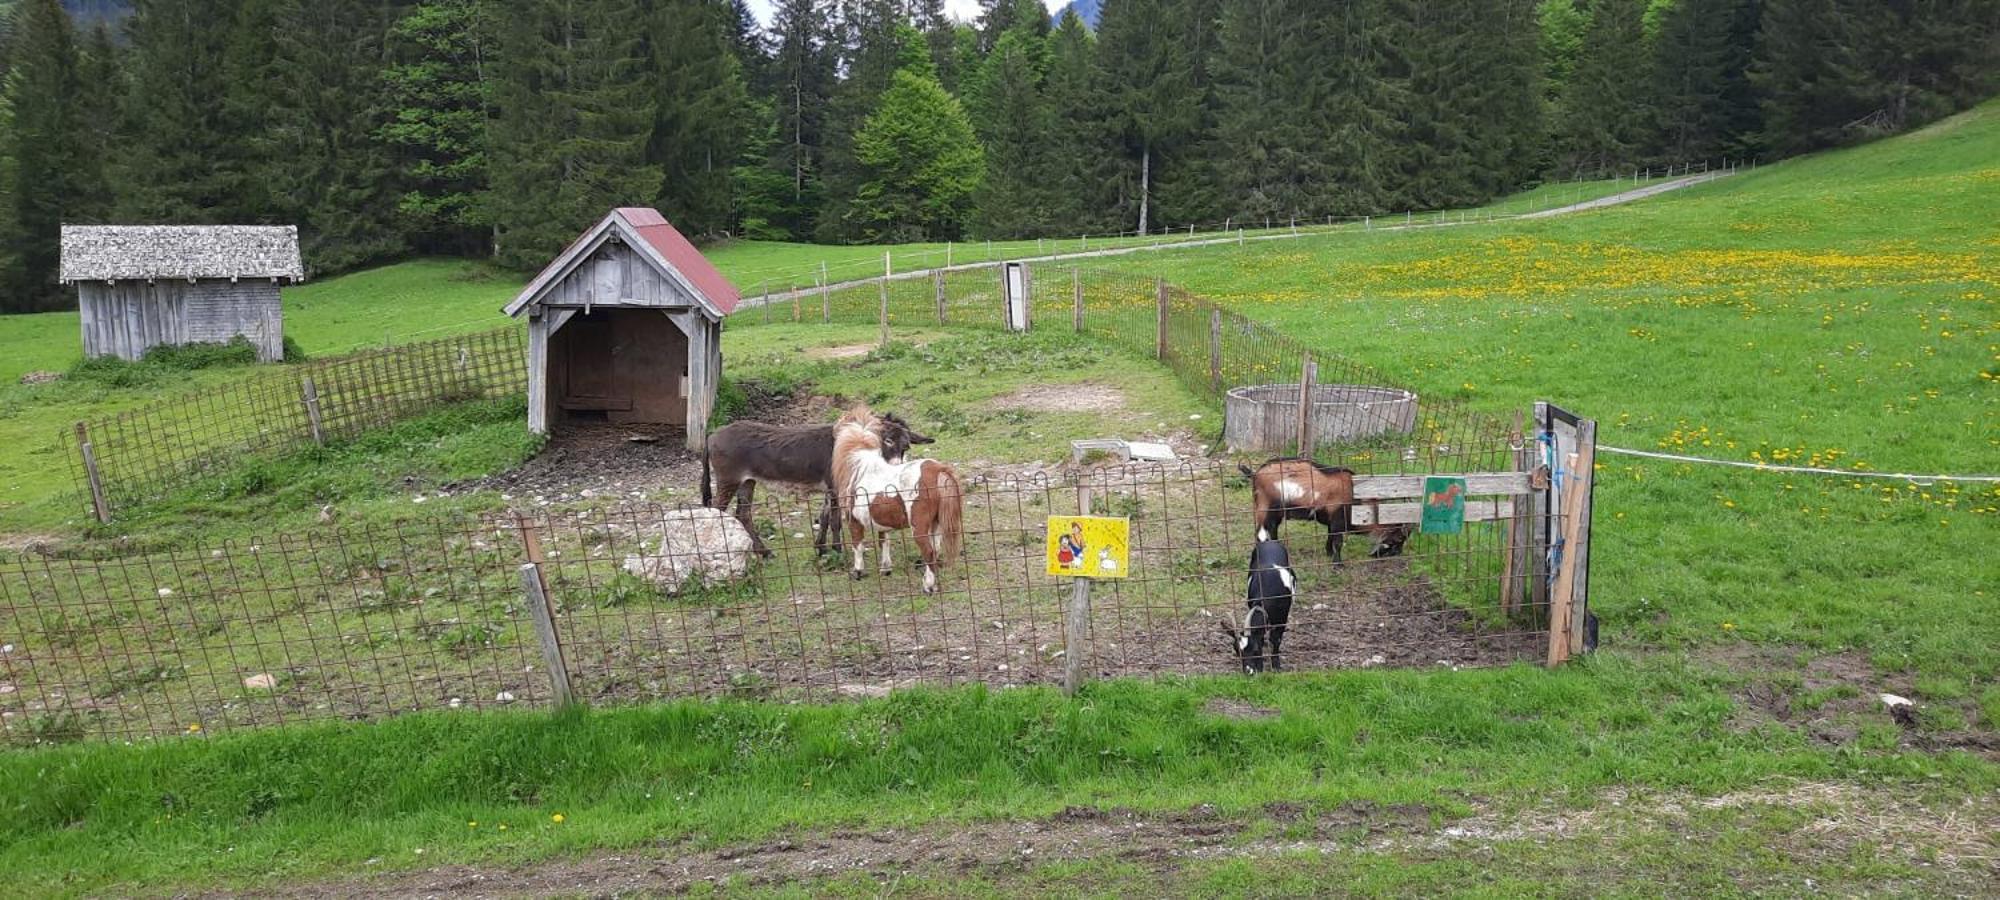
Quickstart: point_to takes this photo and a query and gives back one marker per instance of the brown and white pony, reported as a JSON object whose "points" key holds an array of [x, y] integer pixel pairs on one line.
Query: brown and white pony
{"points": [[743, 453], [877, 496]]}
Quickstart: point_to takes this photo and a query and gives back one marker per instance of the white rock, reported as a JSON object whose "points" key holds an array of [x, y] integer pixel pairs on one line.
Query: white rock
{"points": [[504, 697], [262, 681], [166, 592], [702, 541], [455, 703], [1892, 701]]}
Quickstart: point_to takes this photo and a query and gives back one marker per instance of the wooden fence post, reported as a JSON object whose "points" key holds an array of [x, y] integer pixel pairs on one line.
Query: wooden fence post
{"points": [[536, 599], [1308, 372], [937, 288], [1516, 532], [1563, 617], [798, 309], [309, 395], [1540, 513], [1579, 595], [1215, 349], [1160, 341], [1076, 616], [1076, 284], [825, 301], [541, 613], [98, 504]]}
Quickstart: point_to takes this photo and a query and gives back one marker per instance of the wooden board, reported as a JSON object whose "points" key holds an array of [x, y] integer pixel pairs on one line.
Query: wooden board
{"points": [[1397, 487], [1478, 509]]}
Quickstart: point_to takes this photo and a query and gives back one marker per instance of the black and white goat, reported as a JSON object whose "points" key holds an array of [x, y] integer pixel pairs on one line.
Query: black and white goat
{"points": [[1261, 642]]}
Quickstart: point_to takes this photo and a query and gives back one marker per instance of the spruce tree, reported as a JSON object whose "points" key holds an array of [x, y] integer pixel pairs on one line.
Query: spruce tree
{"points": [[191, 139], [802, 78], [871, 51], [1151, 98], [1703, 104], [1012, 119], [569, 138], [919, 160], [1605, 115], [53, 173], [1080, 170], [326, 96], [438, 88], [700, 110]]}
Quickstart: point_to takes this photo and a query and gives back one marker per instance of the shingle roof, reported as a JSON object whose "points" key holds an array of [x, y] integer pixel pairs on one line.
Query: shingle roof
{"points": [[124, 252]]}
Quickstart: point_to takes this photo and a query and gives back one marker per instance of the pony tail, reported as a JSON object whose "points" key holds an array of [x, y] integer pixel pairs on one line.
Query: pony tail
{"points": [[707, 491], [951, 514]]}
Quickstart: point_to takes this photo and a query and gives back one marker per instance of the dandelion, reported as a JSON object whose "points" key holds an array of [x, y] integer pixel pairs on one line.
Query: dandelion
{"points": [[1729, 626], [557, 818], [472, 824], [194, 728]]}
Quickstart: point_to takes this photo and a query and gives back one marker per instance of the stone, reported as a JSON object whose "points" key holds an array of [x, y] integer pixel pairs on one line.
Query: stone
{"points": [[41, 377], [702, 542], [262, 681]]}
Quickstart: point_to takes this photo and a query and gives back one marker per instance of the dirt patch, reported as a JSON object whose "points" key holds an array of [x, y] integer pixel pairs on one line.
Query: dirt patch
{"points": [[844, 351], [1831, 697], [585, 461], [1082, 398], [1951, 840], [30, 543]]}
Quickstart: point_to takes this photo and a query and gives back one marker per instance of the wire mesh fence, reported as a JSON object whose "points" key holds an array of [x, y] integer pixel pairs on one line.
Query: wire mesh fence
{"points": [[652, 601], [145, 453]]}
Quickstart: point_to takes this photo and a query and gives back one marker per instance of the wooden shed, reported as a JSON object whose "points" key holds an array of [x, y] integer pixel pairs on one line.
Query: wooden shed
{"points": [[626, 327], [143, 286]]}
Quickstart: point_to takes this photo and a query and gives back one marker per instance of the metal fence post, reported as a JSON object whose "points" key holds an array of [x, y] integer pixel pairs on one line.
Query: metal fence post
{"points": [[309, 395], [98, 504]]}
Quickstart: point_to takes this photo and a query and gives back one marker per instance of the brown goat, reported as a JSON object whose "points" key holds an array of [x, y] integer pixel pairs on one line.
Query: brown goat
{"points": [[1291, 487]]}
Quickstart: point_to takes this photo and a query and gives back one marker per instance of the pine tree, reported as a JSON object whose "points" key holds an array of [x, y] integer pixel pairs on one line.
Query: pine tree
{"points": [[1605, 115], [326, 98], [919, 159], [569, 138], [1264, 140], [54, 173], [871, 51], [700, 109], [438, 86], [998, 17]]}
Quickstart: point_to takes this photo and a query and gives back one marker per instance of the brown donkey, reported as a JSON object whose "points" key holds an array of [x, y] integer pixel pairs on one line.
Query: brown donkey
{"points": [[741, 454]]}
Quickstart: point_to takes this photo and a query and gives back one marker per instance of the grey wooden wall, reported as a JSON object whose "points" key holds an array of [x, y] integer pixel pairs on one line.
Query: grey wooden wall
{"points": [[125, 318], [615, 275]]}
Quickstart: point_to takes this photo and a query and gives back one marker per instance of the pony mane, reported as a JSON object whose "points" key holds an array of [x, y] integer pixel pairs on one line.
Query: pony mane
{"points": [[859, 415]]}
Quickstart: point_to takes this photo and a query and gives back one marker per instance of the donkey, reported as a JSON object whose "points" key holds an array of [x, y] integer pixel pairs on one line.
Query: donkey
{"points": [[1262, 639], [741, 454], [1291, 487], [875, 495]]}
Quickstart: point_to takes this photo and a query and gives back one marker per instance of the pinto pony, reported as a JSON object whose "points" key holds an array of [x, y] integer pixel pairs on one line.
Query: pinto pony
{"points": [[743, 453], [875, 496], [1291, 487]]}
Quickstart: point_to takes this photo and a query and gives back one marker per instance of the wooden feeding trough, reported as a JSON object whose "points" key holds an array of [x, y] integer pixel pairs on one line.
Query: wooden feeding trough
{"points": [[625, 327], [1266, 418]]}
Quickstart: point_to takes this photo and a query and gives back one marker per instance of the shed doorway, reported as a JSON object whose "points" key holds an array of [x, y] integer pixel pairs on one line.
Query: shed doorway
{"points": [[620, 366]]}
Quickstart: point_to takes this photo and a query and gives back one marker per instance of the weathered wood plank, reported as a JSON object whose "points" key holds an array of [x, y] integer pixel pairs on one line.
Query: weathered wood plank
{"points": [[1396, 487], [1476, 510]]}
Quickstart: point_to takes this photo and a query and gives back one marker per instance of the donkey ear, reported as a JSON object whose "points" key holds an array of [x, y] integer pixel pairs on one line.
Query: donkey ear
{"points": [[916, 438]]}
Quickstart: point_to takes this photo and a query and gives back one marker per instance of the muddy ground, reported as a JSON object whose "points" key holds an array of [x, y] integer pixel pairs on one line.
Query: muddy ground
{"points": [[1950, 842]]}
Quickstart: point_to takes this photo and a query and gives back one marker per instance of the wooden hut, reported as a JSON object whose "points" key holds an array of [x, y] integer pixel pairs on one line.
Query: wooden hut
{"points": [[626, 327], [143, 286]]}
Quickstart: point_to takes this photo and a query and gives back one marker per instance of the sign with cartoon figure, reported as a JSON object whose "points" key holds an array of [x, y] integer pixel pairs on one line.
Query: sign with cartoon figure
{"points": [[1444, 505], [1089, 546]]}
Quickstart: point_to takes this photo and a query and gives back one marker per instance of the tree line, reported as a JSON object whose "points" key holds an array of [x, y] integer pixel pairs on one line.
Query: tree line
{"points": [[483, 128]]}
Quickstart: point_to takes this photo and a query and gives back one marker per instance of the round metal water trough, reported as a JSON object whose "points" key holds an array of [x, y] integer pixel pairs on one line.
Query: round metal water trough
{"points": [[1264, 418]]}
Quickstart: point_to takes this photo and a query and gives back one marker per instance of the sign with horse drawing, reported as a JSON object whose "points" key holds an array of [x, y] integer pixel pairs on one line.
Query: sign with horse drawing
{"points": [[1444, 505], [1089, 546]]}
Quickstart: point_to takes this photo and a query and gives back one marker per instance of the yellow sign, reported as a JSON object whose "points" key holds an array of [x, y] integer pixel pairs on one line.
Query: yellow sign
{"points": [[1090, 546]]}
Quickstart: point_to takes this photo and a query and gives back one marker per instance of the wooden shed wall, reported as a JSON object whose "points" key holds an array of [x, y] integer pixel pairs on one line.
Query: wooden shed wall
{"points": [[126, 318], [615, 274]]}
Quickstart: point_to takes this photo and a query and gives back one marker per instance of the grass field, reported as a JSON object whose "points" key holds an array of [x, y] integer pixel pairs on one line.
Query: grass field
{"points": [[1838, 311]]}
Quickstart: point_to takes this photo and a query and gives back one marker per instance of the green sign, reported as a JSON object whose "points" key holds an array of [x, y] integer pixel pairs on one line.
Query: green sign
{"points": [[1444, 505]]}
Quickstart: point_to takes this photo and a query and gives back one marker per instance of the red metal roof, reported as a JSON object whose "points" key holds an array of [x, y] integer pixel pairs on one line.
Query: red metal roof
{"points": [[672, 246]]}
